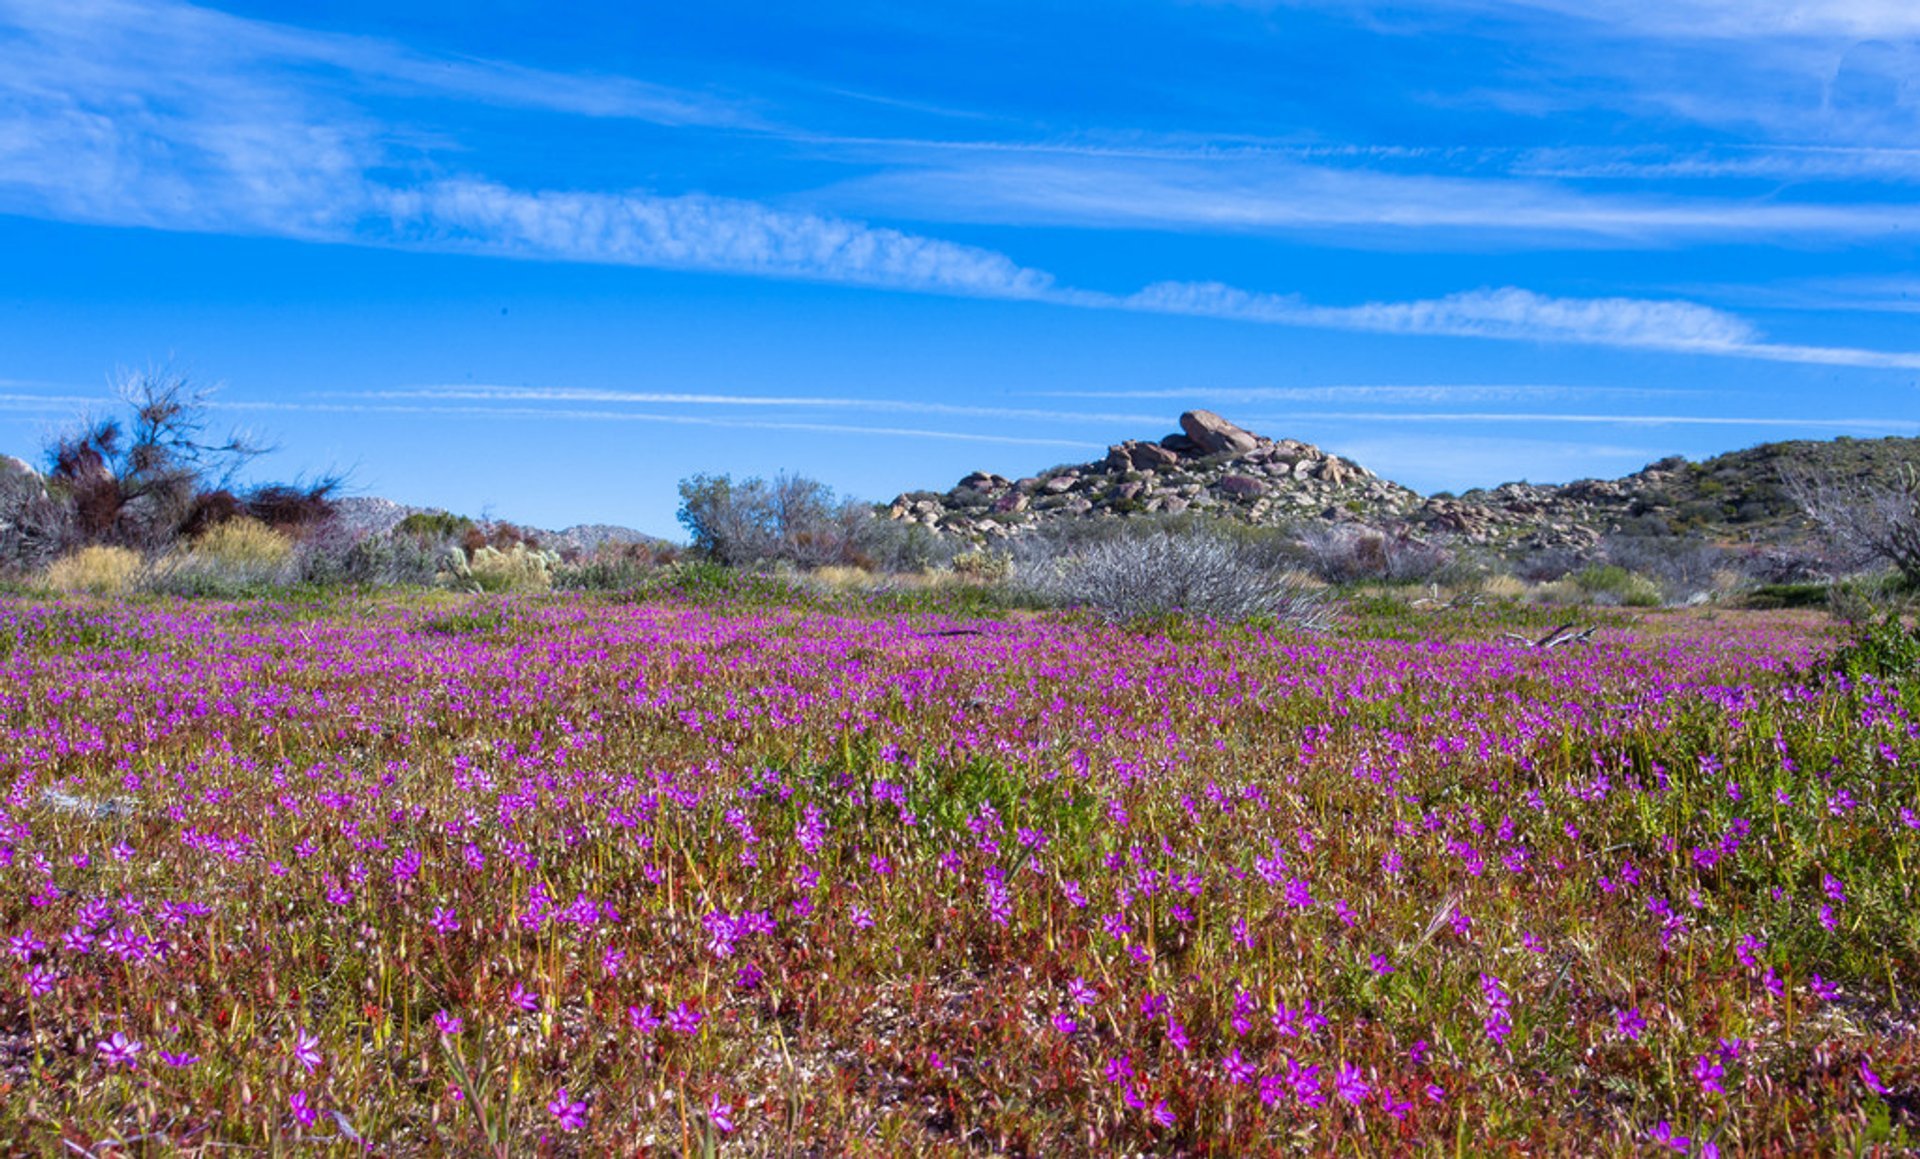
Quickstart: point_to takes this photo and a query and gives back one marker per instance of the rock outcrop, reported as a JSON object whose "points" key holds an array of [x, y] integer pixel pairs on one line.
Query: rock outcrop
{"points": [[1213, 467], [1210, 465]]}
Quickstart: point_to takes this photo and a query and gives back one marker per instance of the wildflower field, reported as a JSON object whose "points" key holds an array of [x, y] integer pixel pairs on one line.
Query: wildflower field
{"points": [[574, 876]]}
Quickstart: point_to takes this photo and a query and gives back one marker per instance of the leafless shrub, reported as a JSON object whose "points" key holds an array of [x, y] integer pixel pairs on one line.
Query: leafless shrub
{"points": [[1866, 520], [1158, 574], [1346, 553], [1679, 566], [33, 526], [1547, 564]]}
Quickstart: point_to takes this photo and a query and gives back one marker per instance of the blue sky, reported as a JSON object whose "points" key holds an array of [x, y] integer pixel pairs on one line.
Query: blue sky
{"points": [[543, 262]]}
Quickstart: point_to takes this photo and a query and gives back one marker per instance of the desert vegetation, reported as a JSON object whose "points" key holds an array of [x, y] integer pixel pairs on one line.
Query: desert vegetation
{"points": [[833, 833], [763, 873]]}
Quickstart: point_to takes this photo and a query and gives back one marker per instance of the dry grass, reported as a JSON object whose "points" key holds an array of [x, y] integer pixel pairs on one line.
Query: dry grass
{"points": [[99, 571]]}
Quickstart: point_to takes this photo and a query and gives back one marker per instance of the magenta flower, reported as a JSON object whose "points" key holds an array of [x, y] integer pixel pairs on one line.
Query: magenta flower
{"points": [[1664, 1134], [1350, 1086], [1163, 1114], [523, 998], [1629, 1023], [444, 920], [721, 1113], [304, 1113], [306, 1050], [120, 1050], [684, 1019], [1064, 1023], [1872, 1080], [1120, 1070], [1305, 1081], [1238, 1070], [641, 1018], [1708, 1072], [40, 981], [570, 1114], [174, 1059], [448, 1024], [1081, 993]]}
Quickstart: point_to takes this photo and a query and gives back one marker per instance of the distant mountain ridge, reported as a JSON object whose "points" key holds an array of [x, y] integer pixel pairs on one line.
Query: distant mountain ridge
{"points": [[1215, 467]]}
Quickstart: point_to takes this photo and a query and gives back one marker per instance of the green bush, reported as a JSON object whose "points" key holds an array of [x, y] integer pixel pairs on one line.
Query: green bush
{"points": [[1615, 584], [1885, 650]]}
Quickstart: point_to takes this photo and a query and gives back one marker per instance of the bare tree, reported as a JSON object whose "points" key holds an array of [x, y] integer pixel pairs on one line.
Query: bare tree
{"points": [[1865, 520], [160, 473]]}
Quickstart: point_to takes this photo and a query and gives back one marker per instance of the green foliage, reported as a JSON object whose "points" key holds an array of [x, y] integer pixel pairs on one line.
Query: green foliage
{"points": [[1617, 582], [434, 526], [1770, 596], [1885, 650]]}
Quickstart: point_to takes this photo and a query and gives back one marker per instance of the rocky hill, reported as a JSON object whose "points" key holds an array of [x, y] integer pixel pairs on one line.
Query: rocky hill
{"points": [[1213, 467]]}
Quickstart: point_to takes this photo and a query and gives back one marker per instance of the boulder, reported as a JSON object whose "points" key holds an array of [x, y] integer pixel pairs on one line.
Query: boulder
{"points": [[1181, 445], [1059, 484], [1213, 434], [983, 481], [1243, 486], [1151, 456]]}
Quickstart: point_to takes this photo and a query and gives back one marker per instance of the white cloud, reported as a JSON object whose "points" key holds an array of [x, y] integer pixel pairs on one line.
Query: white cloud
{"points": [[1378, 392], [699, 232], [181, 46], [798, 402], [171, 116], [1690, 19], [1270, 192], [562, 414], [1518, 315], [1547, 418]]}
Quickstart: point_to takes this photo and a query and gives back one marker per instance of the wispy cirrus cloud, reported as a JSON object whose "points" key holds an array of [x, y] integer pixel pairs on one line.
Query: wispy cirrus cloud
{"points": [[522, 413], [1513, 314], [569, 394], [1272, 193], [1380, 393], [171, 116], [698, 232]]}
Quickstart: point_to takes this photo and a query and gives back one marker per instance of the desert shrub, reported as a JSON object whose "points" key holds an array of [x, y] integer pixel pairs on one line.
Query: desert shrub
{"points": [[293, 508], [1679, 566], [1885, 649], [33, 526], [1546, 564], [96, 570], [1157, 574], [902, 548], [1500, 586], [1613, 584], [1771, 596], [331, 556], [615, 567], [793, 520], [232, 559], [979, 563], [517, 569], [1867, 519], [1346, 553], [434, 526]]}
